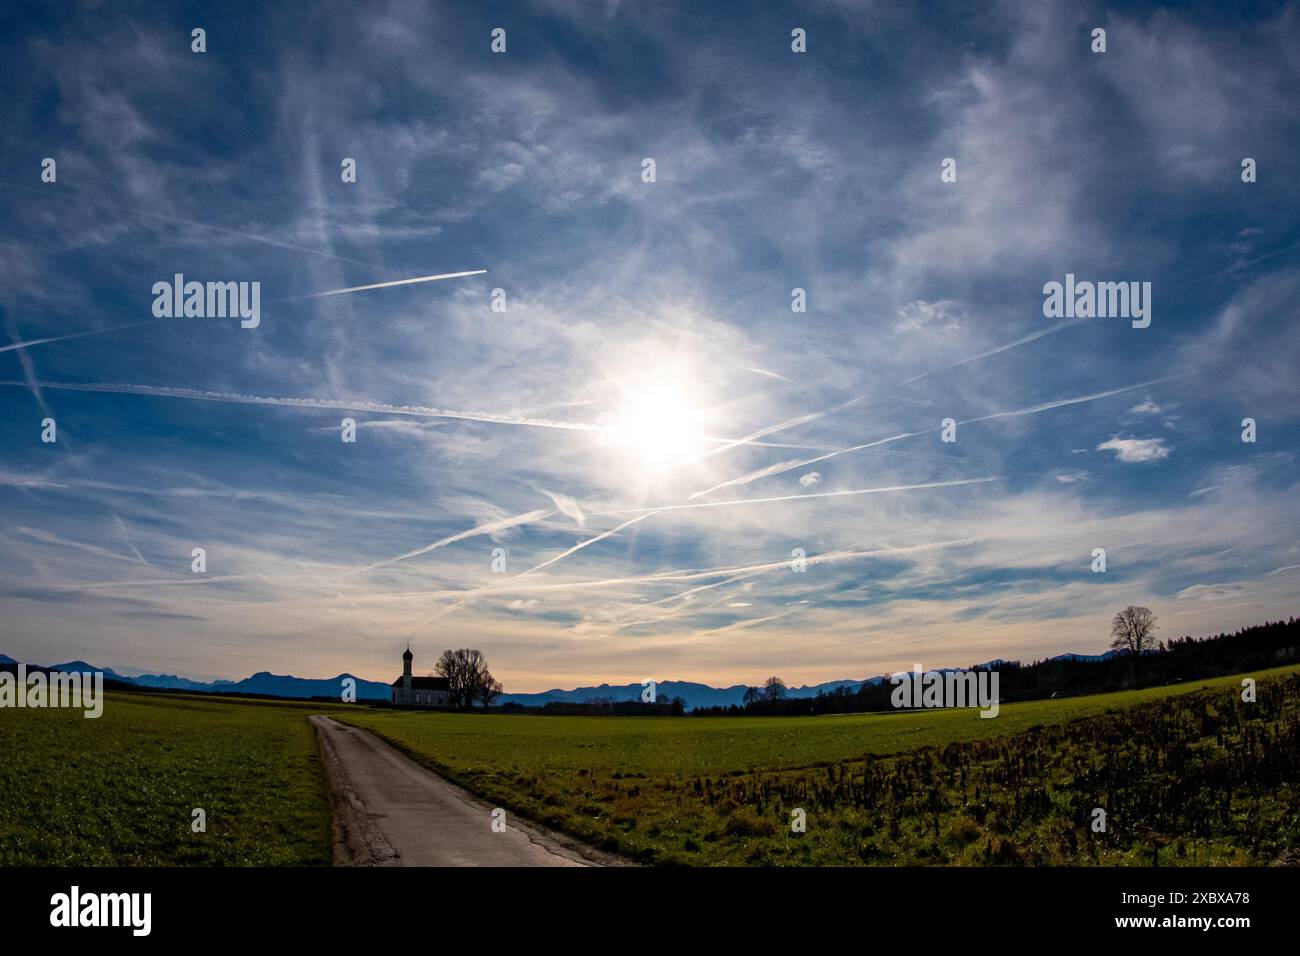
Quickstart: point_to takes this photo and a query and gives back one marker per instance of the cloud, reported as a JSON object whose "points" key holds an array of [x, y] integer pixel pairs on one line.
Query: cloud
{"points": [[919, 314], [811, 479], [1146, 407], [1209, 592], [567, 506], [1136, 450]]}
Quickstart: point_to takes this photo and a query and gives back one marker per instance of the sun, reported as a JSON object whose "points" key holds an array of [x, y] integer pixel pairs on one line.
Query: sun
{"points": [[656, 424]]}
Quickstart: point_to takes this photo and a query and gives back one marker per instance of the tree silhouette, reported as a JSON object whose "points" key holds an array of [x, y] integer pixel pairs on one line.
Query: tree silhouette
{"points": [[1133, 632], [489, 690], [468, 677]]}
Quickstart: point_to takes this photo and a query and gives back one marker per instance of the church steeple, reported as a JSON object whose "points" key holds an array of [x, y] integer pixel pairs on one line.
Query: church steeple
{"points": [[406, 661]]}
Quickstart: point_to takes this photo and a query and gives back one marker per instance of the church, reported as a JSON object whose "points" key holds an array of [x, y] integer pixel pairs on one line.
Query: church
{"points": [[411, 691]]}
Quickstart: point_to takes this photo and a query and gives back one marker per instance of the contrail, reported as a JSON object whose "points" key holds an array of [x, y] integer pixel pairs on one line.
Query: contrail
{"points": [[1002, 348], [508, 586], [762, 371], [181, 580], [251, 236], [29, 369], [488, 527], [782, 467], [1246, 265], [612, 624], [386, 285], [776, 469], [418, 411], [505, 588], [804, 419], [588, 543], [817, 494], [360, 405], [47, 537], [695, 590], [126, 536], [1061, 403], [747, 623], [75, 335], [543, 585], [684, 575]]}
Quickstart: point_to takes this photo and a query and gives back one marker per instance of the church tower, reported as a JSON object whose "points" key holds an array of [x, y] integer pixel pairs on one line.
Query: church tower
{"points": [[406, 673]]}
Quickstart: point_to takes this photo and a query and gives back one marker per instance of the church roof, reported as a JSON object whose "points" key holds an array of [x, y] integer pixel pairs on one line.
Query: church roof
{"points": [[426, 683]]}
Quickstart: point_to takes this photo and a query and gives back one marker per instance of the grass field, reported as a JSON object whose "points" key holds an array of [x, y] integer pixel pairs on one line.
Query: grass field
{"points": [[120, 789], [1018, 788], [714, 745]]}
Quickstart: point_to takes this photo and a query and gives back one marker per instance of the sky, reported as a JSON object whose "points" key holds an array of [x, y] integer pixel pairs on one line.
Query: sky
{"points": [[645, 427]]}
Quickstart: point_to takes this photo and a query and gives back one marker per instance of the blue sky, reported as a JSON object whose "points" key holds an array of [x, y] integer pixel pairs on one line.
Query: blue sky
{"points": [[648, 393]]}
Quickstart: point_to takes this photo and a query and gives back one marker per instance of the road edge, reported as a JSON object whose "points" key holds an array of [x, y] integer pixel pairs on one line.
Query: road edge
{"points": [[357, 842]]}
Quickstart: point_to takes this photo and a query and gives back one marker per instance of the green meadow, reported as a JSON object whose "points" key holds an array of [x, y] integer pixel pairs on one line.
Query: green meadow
{"points": [[121, 789], [511, 743], [920, 788]]}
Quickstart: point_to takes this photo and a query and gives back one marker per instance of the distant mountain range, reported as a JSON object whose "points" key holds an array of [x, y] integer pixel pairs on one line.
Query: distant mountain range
{"points": [[695, 695], [263, 682], [285, 685]]}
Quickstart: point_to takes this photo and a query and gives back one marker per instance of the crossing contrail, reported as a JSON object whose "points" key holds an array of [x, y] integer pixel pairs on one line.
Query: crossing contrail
{"points": [[505, 587], [587, 543], [785, 466], [667, 577], [488, 527]]}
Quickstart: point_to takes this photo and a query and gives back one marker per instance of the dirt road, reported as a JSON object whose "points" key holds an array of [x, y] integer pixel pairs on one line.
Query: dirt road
{"points": [[390, 811]]}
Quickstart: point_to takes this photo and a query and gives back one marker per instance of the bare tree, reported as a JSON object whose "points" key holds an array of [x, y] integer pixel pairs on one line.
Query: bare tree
{"points": [[489, 691], [774, 689], [468, 677], [1133, 632], [753, 695]]}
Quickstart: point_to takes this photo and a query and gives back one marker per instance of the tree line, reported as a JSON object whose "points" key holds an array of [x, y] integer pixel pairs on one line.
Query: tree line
{"points": [[1137, 659]]}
